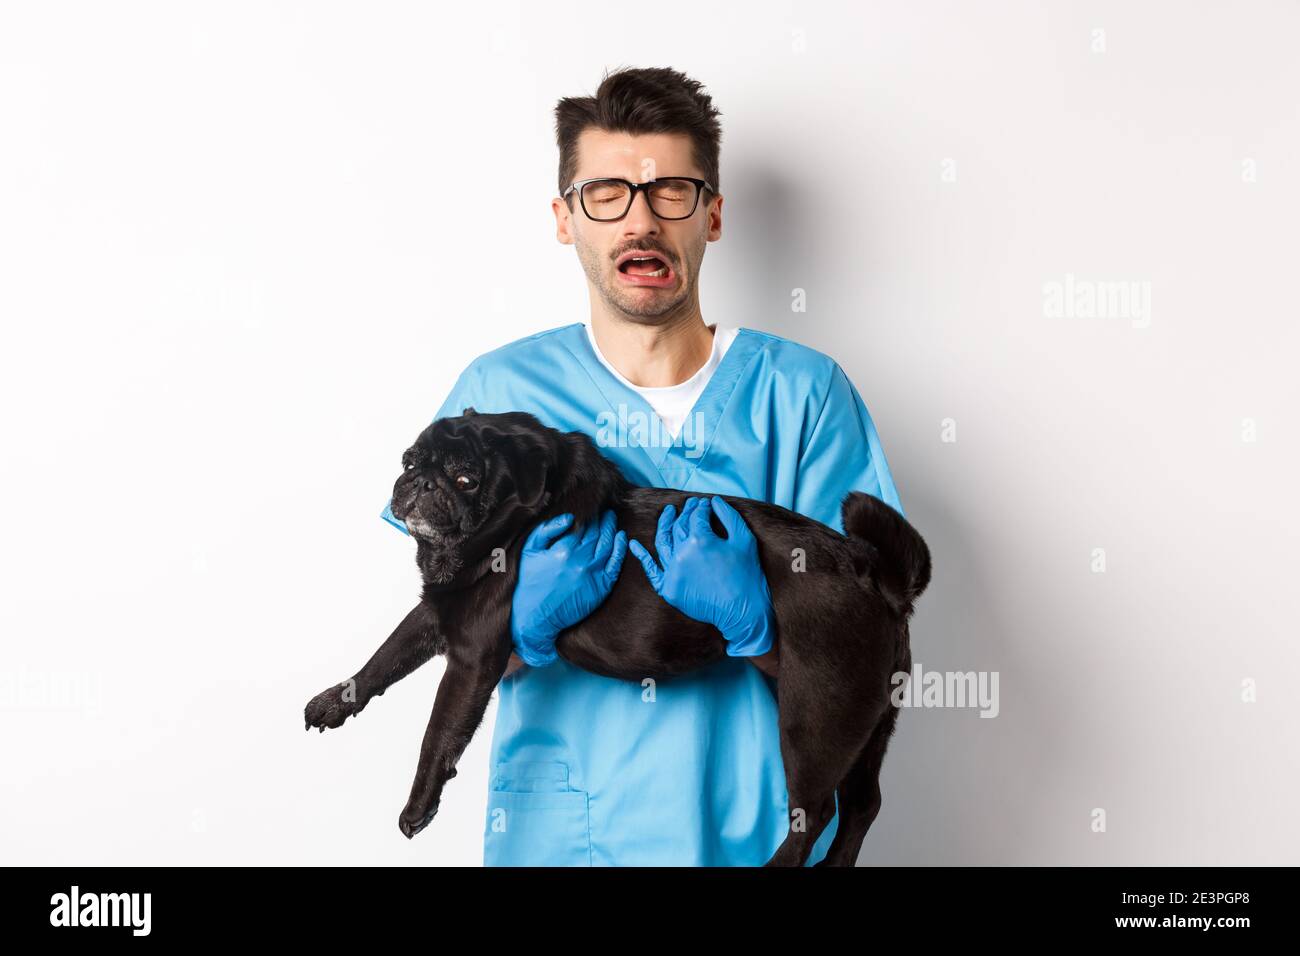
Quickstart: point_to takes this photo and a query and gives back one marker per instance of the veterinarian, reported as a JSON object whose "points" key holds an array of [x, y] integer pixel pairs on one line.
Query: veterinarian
{"points": [[588, 770]]}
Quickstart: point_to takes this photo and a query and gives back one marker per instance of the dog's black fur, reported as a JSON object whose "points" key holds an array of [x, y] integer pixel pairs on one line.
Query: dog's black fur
{"points": [[479, 482]]}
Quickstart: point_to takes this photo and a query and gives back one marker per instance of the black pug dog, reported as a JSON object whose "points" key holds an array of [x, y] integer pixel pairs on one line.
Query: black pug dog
{"points": [[471, 489]]}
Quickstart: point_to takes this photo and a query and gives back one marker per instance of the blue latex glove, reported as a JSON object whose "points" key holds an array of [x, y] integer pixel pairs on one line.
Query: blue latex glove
{"points": [[715, 580], [562, 579]]}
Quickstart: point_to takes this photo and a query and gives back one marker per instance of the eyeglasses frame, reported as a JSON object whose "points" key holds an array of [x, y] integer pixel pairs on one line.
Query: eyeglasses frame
{"points": [[700, 186]]}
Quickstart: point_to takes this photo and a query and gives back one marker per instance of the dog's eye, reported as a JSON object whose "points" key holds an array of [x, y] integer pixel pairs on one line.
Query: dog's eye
{"points": [[408, 465], [466, 483]]}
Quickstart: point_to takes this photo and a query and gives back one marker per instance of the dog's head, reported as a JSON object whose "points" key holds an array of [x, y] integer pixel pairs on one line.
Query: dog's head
{"points": [[472, 483]]}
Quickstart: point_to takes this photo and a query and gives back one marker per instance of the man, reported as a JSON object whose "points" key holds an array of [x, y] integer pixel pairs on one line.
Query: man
{"points": [[587, 770]]}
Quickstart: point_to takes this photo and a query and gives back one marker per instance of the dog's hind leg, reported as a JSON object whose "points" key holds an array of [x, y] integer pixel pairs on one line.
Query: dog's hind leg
{"points": [[458, 708], [821, 734], [810, 789], [859, 792], [859, 796]]}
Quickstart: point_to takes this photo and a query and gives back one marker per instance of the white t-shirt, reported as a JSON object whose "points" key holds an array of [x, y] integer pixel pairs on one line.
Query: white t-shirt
{"points": [[672, 403]]}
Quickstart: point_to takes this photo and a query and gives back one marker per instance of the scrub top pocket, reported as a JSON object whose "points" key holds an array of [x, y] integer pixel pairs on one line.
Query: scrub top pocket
{"points": [[534, 819]]}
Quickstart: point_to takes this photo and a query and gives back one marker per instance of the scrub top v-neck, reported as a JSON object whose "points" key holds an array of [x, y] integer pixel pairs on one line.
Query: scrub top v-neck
{"points": [[674, 404]]}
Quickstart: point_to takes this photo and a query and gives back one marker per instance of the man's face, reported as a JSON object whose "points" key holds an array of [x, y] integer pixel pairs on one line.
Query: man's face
{"points": [[645, 298]]}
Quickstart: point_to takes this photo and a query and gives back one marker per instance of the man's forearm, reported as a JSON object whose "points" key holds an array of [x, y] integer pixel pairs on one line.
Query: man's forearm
{"points": [[515, 663], [767, 663]]}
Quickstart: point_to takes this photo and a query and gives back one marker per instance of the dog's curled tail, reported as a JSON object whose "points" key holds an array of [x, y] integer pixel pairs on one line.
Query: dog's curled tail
{"points": [[895, 556]]}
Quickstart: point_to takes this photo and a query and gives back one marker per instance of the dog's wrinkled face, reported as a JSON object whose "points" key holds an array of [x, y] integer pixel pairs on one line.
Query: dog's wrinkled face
{"points": [[470, 478]]}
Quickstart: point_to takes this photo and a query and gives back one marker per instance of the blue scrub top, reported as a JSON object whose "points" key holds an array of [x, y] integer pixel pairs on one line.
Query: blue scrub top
{"points": [[592, 771]]}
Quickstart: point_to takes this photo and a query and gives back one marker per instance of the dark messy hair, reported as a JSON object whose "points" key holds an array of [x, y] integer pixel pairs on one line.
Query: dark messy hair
{"points": [[637, 101]]}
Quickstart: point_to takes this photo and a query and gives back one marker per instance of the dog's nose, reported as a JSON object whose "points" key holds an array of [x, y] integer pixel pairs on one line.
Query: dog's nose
{"points": [[427, 484]]}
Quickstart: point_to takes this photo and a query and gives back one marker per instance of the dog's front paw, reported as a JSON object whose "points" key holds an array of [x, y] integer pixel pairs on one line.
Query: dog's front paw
{"points": [[414, 819], [331, 707]]}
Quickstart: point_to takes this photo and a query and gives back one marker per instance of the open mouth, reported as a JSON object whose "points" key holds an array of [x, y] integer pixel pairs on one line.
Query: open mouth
{"points": [[645, 268]]}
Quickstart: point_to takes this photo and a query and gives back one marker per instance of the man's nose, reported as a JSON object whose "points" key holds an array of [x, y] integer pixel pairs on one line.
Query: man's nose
{"points": [[640, 221]]}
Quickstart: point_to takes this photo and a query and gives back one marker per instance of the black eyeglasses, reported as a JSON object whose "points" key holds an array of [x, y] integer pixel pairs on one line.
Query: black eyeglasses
{"points": [[607, 200]]}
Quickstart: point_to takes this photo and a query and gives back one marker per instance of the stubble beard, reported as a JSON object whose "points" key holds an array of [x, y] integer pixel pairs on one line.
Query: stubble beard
{"points": [[627, 300]]}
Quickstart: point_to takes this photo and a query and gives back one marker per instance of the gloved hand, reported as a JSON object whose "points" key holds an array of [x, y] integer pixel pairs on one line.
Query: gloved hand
{"points": [[562, 579], [712, 579]]}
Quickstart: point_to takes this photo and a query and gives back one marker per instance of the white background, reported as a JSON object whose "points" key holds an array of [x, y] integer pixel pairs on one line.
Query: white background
{"points": [[240, 269]]}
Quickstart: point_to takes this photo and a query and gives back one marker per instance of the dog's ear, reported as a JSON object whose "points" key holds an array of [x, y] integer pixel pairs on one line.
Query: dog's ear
{"points": [[469, 410], [531, 459], [589, 482]]}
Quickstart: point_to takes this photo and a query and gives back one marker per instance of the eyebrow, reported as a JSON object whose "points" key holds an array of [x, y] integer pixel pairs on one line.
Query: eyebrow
{"points": [[582, 179]]}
